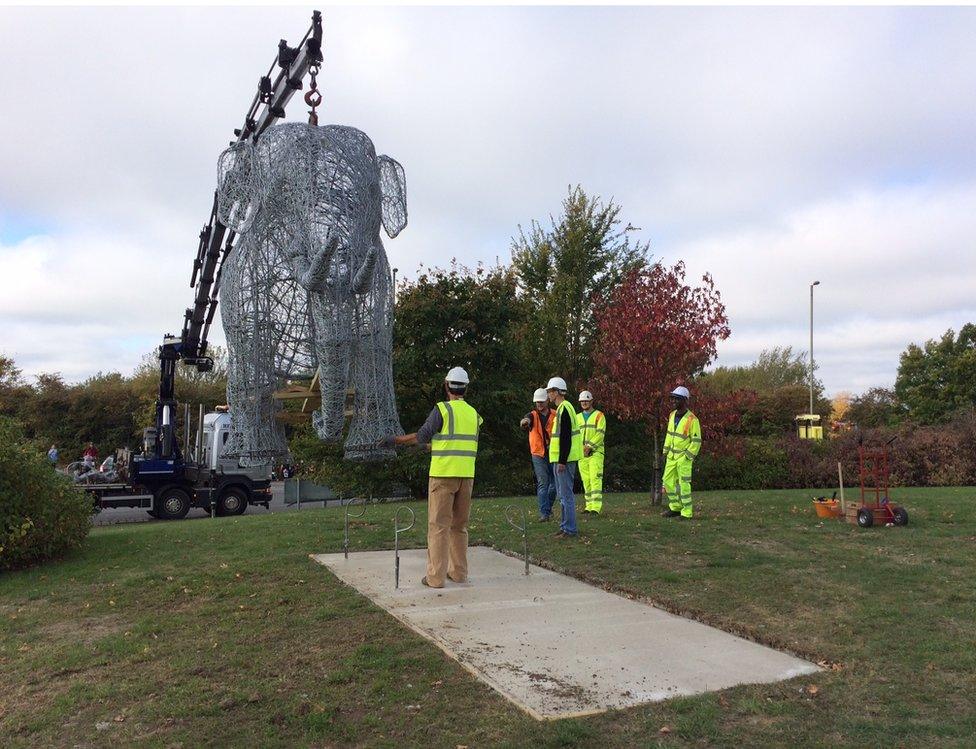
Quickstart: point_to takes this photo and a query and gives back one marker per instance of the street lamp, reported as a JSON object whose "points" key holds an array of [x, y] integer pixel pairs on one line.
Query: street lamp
{"points": [[815, 283]]}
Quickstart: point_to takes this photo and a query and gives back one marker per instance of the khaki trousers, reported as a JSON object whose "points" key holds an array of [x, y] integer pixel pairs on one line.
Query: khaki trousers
{"points": [[448, 509]]}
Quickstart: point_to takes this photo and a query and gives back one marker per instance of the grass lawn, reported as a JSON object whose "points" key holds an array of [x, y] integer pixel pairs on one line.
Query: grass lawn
{"points": [[223, 632]]}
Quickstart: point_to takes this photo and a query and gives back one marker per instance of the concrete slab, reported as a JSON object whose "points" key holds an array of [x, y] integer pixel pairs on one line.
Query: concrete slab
{"points": [[555, 646]]}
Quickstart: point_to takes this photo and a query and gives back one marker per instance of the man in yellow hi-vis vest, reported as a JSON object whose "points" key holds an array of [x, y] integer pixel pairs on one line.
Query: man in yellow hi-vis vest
{"points": [[681, 446], [565, 450], [451, 430], [593, 431]]}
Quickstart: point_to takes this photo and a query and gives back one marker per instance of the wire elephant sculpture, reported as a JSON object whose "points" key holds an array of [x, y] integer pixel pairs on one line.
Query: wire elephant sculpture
{"points": [[308, 286]]}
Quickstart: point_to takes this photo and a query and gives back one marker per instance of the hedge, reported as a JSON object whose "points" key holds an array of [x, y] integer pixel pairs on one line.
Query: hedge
{"points": [[919, 456], [42, 515]]}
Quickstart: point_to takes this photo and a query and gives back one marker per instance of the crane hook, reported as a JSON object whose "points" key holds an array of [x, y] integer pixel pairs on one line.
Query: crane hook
{"points": [[314, 97]]}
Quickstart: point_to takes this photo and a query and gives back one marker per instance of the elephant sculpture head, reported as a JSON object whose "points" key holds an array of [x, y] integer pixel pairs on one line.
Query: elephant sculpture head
{"points": [[308, 285]]}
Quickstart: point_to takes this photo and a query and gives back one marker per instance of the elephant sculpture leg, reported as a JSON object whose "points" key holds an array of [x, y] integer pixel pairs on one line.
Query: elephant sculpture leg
{"points": [[257, 349], [333, 348], [374, 411]]}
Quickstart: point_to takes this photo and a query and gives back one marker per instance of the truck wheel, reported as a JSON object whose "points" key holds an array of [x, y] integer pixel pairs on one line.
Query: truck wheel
{"points": [[901, 516], [865, 517], [232, 502], [172, 504]]}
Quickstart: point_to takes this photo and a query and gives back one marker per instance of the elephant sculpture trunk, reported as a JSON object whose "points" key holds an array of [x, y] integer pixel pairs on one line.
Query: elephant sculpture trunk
{"points": [[308, 287]]}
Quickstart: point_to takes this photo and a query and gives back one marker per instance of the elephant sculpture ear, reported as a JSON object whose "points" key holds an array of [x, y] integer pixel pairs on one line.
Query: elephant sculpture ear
{"points": [[393, 188], [237, 195]]}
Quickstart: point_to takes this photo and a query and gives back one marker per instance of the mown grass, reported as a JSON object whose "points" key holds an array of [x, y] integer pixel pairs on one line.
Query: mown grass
{"points": [[224, 633]]}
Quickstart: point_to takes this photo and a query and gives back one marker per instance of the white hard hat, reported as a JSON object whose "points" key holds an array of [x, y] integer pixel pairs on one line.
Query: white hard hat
{"points": [[540, 395], [682, 391], [457, 375], [557, 383], [586, 395]]}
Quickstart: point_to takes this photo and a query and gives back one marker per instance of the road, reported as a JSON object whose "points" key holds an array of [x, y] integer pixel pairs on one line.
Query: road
{"points": [[118, 515]]}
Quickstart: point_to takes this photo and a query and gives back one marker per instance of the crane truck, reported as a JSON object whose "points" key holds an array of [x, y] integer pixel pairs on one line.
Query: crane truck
{"points": [[164, 478]]}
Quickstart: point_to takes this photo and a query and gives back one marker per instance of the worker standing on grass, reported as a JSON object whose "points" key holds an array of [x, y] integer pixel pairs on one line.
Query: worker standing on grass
{"points": [[565, 450], [681, 446], [538, 423], [592, 425], [451, 430]]}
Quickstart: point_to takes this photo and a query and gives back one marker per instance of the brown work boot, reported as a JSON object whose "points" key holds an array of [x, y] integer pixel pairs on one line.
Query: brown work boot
{"points": [[669, 513]]}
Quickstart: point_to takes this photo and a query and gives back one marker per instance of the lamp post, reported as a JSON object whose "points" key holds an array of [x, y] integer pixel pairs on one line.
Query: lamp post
{"points": [[815, 283]]}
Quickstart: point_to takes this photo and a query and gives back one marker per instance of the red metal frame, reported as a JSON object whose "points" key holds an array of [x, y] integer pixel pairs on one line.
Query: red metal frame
{"points": [[874, 477]]}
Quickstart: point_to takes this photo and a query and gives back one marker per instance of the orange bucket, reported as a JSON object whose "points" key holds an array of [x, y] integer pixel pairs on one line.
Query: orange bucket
{"points": [[827, 508]]}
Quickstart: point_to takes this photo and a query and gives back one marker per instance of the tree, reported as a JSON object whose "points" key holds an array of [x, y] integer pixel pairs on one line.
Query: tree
{"points": [[722, 414], [103, 410], [472, 319], [12, 387], [774, 412], [878, 407], [840, 404], [939, 378], [560, 270], [44, 415], [776, 367], [779, 383], [655, 332]]}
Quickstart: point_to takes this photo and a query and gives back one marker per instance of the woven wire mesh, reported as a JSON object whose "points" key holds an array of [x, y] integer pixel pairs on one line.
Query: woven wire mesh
{"points": [[308, 285]]}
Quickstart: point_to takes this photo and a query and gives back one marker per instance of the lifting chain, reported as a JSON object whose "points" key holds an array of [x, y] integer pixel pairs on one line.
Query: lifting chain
{"points": [[314, 97]]}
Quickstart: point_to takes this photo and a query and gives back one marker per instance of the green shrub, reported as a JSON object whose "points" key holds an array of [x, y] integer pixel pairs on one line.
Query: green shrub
{"points": [[42, 515]]}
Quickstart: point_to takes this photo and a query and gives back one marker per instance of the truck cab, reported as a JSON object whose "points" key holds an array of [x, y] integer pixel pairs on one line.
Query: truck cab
{"points": [[216, 431]]}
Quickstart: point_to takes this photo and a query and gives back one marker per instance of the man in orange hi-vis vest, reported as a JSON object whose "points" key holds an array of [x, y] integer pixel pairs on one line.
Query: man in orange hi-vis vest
{"points": [[538, 423]]}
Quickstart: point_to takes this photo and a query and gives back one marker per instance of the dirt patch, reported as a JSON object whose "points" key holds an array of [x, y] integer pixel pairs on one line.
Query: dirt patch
{"points": [[86, 630], [22, 608], [554, 686]]}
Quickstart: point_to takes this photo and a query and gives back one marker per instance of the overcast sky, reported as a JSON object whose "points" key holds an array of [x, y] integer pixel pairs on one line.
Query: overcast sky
{"points": [[771, 147]]}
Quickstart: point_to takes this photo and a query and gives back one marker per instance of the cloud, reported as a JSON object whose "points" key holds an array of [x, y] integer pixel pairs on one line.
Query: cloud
{"points": [[87, 302], [770, 145], [895, 266]]}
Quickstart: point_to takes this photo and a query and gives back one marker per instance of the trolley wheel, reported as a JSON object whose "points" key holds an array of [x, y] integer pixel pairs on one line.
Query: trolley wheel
{"points": [[901, 516], [232, 502], [865, 517], [172, 504]]}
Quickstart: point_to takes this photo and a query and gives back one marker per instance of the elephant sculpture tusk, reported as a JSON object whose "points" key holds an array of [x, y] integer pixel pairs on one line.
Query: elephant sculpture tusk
{"points": [[315, 277], [364, 276]]}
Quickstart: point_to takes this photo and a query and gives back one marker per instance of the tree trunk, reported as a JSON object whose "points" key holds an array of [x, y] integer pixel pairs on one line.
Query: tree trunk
{"points": [[656, 490]]}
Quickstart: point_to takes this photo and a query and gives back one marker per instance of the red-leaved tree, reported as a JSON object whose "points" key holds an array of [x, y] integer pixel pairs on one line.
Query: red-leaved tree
{"points": [[721, 417], [655, 332]]}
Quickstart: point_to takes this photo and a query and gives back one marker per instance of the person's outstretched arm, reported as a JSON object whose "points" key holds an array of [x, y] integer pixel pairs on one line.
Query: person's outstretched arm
{"points": [[422, 436]]}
